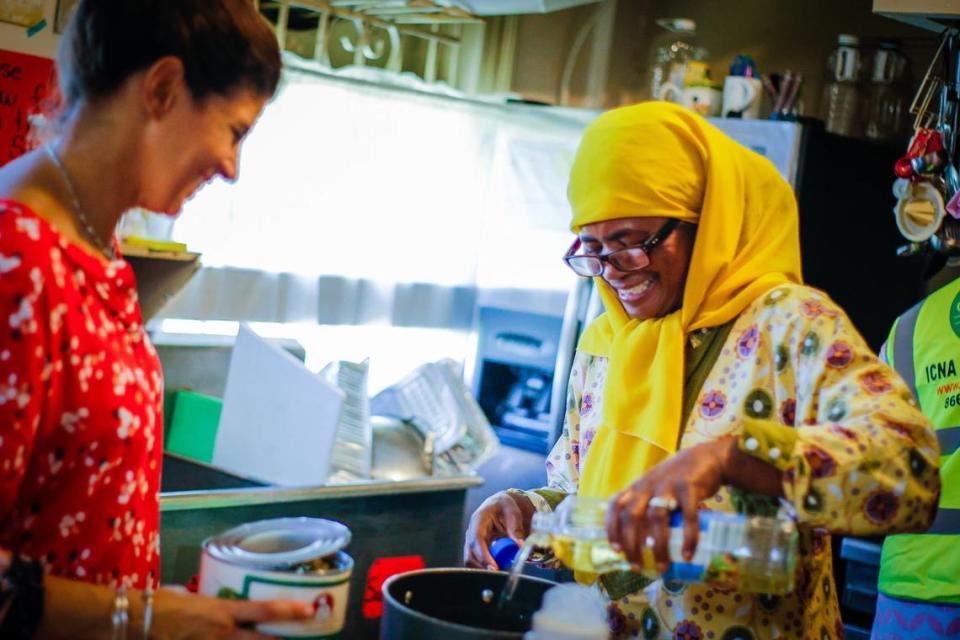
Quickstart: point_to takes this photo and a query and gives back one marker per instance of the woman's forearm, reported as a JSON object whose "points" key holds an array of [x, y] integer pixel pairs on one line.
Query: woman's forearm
{"points": [[749, 473], [74, 609]]}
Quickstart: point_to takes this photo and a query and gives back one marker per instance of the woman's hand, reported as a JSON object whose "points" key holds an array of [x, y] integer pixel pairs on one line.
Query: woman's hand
{"points": [[501, 515], [187, 616], [75, 610], [680, 482]]}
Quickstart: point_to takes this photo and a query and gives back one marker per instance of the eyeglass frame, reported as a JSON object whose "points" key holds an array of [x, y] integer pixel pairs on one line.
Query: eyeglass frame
{"points": [[647, 247]]}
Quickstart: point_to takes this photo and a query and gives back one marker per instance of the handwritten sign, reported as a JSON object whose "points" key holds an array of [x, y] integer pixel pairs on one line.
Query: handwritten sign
{"points": [[26, 84]]}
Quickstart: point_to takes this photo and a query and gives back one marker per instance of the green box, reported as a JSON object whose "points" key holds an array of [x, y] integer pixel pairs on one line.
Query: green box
{"points": [[193, 425]]}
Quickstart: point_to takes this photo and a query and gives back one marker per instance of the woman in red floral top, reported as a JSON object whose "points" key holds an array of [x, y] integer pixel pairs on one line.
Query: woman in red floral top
{"points": [[150, 114]]}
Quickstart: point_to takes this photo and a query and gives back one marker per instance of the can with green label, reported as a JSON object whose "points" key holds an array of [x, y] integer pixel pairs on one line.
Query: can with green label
{"points": [[283, 559]]}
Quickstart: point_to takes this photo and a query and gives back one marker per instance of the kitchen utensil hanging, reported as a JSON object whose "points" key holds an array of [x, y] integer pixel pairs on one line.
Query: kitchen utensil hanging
{"points": [[927, 188]]}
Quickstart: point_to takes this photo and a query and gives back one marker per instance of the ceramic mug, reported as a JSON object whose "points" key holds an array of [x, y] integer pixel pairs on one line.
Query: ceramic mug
{"points": [[705, 100], [741, 97], [670, 92]]}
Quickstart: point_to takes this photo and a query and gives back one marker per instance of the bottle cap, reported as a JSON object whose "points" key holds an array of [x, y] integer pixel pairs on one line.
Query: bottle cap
{"points": [[504, 552], [848, 40]]}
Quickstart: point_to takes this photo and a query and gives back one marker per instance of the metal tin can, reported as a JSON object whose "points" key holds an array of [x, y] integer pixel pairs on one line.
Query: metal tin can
{"points": [[288, 559]]}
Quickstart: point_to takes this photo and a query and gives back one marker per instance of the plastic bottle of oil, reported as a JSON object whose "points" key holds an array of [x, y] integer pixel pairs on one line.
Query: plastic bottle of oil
{"points": [[745, 553]]}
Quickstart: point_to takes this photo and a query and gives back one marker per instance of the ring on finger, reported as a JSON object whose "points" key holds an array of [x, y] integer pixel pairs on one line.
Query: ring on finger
{"points": [[661, 502]]}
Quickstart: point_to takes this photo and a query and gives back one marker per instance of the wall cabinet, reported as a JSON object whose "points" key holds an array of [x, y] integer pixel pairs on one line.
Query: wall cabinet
{"points": [[933, 15]]}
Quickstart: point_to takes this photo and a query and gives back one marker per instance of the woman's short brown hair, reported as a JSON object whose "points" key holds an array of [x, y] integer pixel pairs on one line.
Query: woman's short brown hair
{"points": [[224, 45]]}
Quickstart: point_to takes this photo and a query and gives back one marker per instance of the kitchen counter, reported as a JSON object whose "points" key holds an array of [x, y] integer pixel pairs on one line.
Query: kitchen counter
{"points": [[419, 516], [222, 498]]}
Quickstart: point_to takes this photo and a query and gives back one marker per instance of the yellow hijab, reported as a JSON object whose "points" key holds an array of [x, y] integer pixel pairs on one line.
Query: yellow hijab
{"points": [[660, 160]]}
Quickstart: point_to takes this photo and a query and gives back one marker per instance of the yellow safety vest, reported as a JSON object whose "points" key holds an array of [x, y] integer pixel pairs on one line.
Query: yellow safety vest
{"points": [[924, 347]]}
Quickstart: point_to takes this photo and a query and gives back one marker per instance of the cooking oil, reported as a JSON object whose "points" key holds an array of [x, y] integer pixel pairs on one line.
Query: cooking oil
{"points": [[735, 552]]}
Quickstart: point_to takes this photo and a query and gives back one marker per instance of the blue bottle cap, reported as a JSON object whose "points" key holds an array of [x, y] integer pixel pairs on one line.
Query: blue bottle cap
{"points": [[504, 552]]}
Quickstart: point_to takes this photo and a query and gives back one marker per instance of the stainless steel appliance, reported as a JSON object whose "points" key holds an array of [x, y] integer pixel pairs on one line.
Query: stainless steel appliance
{"points": [[514, 373]]}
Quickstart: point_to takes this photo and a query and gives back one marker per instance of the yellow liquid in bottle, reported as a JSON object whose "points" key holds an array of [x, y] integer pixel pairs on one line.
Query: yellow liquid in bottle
{"points": [[591, 556], [734, 552], [722, 570]]}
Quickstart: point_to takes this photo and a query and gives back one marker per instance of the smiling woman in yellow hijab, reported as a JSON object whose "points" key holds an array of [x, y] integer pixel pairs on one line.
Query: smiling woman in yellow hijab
{"points": [[714, 379], [659, 160]]}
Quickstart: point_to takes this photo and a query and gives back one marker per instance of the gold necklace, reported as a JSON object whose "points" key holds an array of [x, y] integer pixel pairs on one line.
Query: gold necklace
{"points": [[106, 249]]}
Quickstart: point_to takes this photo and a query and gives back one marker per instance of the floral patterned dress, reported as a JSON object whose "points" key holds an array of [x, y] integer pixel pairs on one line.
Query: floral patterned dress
{"points": [[800, 389], [80, 409]]}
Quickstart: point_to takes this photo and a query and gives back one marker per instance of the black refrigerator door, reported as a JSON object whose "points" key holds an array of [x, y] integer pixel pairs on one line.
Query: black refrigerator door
{"points": [[848, 236]]}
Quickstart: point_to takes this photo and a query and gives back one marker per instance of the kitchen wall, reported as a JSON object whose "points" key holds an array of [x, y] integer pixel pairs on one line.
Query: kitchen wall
{"points": [[544, 42], [780, 34]]}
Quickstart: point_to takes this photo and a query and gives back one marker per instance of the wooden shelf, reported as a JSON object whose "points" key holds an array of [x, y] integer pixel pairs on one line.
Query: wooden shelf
{"points": [[932, 15], [133, 251], [160, 275]]}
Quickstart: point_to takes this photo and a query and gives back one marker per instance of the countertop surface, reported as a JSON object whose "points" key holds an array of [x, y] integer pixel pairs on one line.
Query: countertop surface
{"points": [[217, 498]]}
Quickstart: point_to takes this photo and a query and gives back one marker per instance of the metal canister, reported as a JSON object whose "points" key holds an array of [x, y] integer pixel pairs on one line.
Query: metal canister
{"points": [[284, 558]]}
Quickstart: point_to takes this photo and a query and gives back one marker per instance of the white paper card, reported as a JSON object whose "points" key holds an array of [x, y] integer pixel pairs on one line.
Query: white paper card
{"points": [[279, 419]]}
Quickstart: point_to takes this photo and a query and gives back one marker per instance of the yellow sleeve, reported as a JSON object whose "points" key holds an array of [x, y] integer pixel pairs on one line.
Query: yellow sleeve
{"points": [[563, 463], [861, 458]]}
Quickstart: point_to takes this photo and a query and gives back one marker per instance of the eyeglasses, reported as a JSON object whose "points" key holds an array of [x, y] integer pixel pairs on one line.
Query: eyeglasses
{"points": [[629, 259]]}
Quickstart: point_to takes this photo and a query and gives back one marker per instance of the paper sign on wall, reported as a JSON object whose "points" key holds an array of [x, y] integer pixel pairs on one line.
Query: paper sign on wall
{"points": [[25, 13], [26, 84]]}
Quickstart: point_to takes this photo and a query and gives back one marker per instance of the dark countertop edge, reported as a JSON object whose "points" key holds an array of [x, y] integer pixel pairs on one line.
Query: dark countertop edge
{"points": [[221, 498]]}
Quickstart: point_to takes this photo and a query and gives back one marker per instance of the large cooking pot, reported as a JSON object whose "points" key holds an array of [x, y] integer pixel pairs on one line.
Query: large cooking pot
{"points": [[457, 604]]}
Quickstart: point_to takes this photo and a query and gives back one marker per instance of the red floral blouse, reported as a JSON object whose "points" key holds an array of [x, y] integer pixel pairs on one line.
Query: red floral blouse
{"points": [[81, 424]]}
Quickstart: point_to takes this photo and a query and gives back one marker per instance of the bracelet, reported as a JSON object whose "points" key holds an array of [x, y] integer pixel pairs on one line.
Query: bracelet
{"points": [[21, 599], [120, 614], [147, 595], [120, 617]]}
